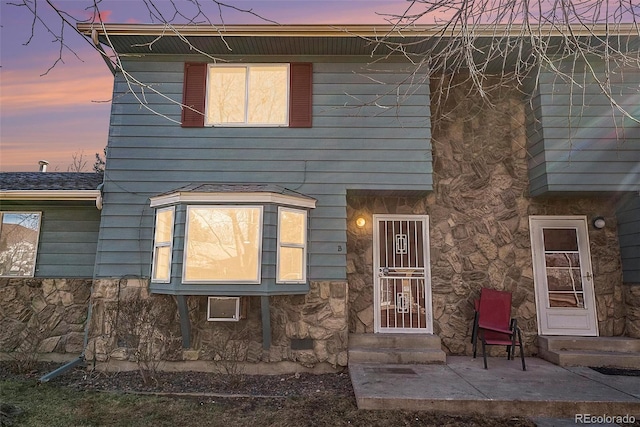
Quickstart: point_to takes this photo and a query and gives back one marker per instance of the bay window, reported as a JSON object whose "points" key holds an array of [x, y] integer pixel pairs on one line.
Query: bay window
{"points": [[292, 245]]}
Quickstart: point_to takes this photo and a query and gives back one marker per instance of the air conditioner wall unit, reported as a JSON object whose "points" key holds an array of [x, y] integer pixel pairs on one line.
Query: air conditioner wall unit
{"points": [[227, 309]]}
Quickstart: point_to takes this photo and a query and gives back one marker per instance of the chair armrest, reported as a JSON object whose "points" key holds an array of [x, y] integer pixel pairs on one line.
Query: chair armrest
{"points": [[494, 329]]}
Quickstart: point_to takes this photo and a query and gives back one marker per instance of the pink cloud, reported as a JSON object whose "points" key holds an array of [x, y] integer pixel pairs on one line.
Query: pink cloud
{"points": [[64, 87]]}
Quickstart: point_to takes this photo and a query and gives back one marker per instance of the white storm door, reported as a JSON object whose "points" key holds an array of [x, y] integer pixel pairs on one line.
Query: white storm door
{"points": [[402, 283], [563, 276]]}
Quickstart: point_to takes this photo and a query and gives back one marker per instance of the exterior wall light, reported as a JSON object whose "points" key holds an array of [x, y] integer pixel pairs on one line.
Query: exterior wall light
{"points": [[598, 222], [361, 222]]}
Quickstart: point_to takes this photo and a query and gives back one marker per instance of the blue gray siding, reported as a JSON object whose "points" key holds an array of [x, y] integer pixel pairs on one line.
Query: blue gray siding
{"points": [[577, 141], [629, 235], [365, 136], [68, 237]]}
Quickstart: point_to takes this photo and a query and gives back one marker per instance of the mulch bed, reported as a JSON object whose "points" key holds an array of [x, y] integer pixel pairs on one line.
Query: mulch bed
{"points": [[288, 385]]}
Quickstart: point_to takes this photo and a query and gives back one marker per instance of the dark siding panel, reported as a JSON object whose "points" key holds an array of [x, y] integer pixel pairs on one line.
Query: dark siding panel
{"points": [[628, 215]]}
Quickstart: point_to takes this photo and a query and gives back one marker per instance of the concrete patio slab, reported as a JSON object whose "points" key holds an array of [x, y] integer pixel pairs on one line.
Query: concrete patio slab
{"points": [[462, 386]]}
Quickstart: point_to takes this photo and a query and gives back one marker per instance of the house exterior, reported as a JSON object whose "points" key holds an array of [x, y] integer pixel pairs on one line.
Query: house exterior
{"points": [[283, 189]]}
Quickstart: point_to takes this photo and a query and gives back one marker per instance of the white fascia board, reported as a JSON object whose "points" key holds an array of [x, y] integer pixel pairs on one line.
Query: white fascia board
{"points": [[257, 197], [61, 195]]}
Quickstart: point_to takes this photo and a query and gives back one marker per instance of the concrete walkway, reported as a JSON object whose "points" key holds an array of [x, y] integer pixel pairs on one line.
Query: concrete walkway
{"points": [[462, 386]]}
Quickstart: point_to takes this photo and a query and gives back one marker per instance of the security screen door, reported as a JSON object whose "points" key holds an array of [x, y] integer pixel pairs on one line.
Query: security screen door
{"points": [[563, 276], [402, 288]]}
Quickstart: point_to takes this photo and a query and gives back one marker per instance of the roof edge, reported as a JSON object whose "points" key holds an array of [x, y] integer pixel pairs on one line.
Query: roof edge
{"points": [[377, 31]]}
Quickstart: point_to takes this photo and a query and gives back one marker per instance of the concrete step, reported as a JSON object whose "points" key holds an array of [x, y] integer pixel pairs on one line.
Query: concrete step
{"points": [[396, 349], [614, 359], [605, 344], [403, 341], [390, 356]]}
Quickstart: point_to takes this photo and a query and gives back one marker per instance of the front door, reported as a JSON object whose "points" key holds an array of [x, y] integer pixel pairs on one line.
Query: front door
{"points": [[402, 288], [563, 276]]}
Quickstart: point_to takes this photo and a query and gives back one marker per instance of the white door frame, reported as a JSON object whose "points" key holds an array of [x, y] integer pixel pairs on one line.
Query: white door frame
{"points": [[576, 321], [425, 275]]}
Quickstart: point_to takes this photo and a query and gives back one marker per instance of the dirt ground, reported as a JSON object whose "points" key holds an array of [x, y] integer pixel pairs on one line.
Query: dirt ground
{"points": [[329, 398]]}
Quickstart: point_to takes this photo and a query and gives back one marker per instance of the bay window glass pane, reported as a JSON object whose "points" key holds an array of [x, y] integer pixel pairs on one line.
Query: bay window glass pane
{"points": [[164, 225], [292, 227], [226, 87], [162, 263], [291, 264], [223, 244], [19, 243], [268, 95]]}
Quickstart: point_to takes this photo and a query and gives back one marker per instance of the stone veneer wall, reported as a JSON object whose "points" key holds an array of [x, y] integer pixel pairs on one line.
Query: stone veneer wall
{"points": [[479, 224], [319, 317], [632, 301], [43, 315]]}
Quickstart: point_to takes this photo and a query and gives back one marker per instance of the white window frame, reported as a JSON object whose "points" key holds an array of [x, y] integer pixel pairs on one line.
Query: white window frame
{"points": [[186, 242], [168, 244], [207, 123], [302, 246], [36, 243]]}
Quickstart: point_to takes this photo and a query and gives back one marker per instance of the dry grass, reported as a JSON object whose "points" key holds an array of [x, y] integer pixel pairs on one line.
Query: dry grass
{"points": [[56, 405]]}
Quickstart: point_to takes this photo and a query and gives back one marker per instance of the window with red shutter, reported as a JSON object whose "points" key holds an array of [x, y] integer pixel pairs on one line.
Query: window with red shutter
{"points": [[194, 113]]}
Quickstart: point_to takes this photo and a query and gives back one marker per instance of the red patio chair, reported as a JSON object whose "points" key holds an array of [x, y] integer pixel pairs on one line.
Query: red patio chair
{"points": [[494, 326]]}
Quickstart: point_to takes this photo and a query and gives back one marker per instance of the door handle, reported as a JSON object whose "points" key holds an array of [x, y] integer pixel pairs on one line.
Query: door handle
{"points": [[589, 276]]}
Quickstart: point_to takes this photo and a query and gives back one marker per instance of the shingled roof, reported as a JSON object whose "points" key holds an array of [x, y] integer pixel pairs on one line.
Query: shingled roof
{"points": [[42, 181]]}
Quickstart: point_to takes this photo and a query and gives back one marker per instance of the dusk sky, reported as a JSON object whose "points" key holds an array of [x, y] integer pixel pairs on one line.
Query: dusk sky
{"points": [[54, 115]]}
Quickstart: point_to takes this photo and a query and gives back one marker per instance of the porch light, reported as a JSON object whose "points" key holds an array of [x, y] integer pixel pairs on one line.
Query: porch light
{"points": [[598, 222], [361, 222]]}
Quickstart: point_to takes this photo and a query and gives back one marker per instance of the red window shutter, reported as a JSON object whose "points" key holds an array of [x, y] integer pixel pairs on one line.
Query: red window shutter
{"points": [[194, 93], [300, 98]]}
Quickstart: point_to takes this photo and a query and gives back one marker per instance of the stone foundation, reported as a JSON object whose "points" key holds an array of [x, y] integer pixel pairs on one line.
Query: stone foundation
{"points": [[479, 225], [318, 320], [43, 316]]}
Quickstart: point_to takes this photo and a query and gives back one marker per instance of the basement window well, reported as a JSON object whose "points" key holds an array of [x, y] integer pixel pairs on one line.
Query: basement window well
{"points": [[225, 236]]}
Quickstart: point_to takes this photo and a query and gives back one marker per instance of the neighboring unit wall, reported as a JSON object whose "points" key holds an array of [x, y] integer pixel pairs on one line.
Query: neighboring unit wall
{"points": [[364, 136], [629, 232], [479, 224], [578, 140], [43, 316], [68, 237]]}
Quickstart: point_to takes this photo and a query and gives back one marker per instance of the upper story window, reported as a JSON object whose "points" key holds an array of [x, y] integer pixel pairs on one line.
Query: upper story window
{"points": [[247, 95], [19, 232]]}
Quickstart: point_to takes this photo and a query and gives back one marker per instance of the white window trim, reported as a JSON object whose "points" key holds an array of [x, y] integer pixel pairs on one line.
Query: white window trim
{"points": [[303, 246], [246, 97], [225, 281], [37, 242], [222, 198], [157, 245]]}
